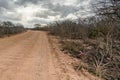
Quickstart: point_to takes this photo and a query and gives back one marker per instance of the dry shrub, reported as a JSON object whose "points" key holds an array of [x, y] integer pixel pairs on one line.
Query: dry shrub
{"points": [[8, 28], [72, 47], [105, 63]]}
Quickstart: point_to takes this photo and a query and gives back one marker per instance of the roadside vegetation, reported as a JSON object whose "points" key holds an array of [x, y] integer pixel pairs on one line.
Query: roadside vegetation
{"points": [[99, 41], [97, 37], [7, 28]]}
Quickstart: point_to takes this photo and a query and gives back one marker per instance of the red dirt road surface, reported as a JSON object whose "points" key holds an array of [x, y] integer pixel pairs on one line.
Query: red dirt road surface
{"points": [[28, 56]]}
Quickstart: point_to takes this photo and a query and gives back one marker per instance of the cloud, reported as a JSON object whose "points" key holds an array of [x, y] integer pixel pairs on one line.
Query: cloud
{"points": [[29, 12], [64, 10], [7, 4], [46, 13], [2, 10], [38, 20], [24, 2], [10, 16]]}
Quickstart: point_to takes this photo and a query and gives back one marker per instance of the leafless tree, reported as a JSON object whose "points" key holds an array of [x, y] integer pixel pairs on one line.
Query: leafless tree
{"points": [[109, 8], [8, 28]]}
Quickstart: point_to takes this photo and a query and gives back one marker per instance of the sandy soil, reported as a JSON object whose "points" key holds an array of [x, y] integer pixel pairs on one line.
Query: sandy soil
{"points": [[29, 56]]}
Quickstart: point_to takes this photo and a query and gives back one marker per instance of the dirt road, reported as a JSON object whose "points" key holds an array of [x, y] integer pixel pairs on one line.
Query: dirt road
{"points": [[28, 56]]}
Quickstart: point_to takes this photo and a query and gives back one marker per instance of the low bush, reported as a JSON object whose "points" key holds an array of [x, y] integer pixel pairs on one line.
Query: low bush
{"points": [[72, 47], [68, 29], [104, 63]]}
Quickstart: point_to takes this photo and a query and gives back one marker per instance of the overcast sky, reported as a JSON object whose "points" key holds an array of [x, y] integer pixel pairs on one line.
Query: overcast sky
{"points": [[29, 12]]}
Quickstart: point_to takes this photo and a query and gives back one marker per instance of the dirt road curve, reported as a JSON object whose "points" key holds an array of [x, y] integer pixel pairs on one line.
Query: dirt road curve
{"points": [[26, 57]]}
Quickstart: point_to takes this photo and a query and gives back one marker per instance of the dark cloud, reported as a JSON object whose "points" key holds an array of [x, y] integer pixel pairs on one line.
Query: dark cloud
{"points": [[62, 9], [25, 2], [7, 4], [2, 10], [45, 14], [4, 4], [9, 18]]}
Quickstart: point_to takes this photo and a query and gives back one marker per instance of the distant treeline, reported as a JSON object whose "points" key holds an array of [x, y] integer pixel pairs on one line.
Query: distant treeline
{"points": [[8, 28], [83, 28]]}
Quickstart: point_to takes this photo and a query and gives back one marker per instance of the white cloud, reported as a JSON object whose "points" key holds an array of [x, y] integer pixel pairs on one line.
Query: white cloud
{"points": [[65, 2], [71, 16]]}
